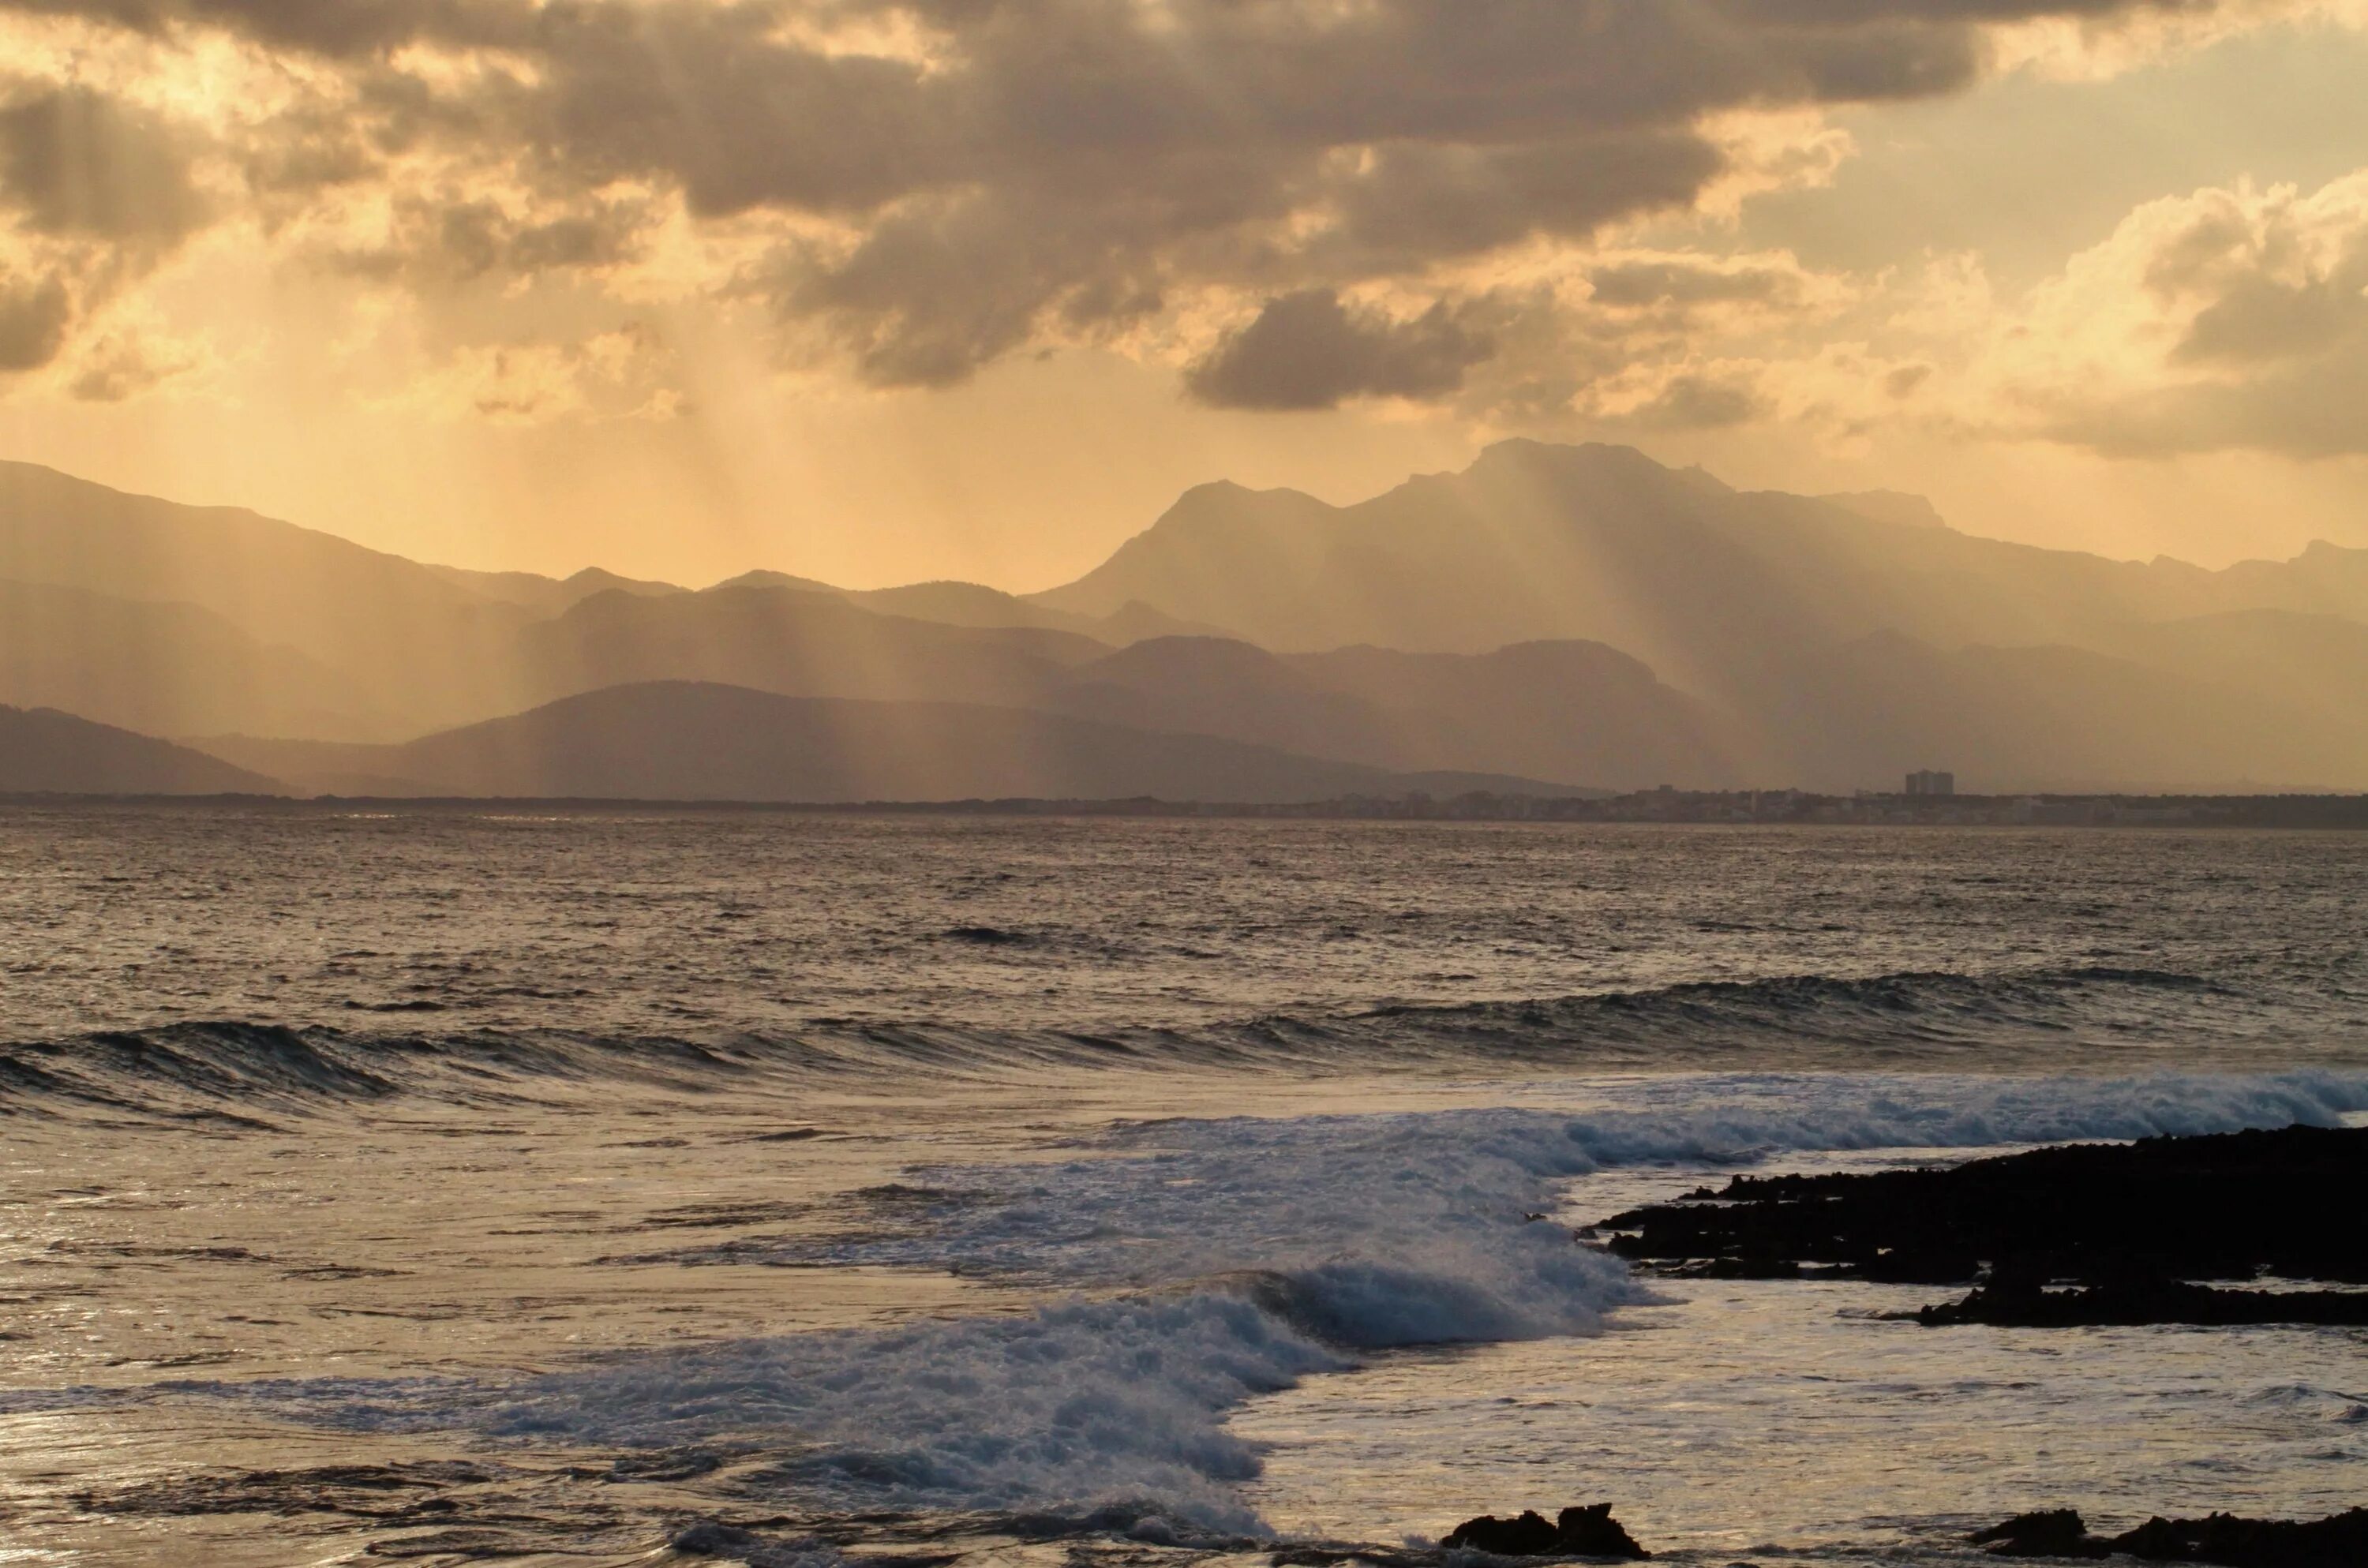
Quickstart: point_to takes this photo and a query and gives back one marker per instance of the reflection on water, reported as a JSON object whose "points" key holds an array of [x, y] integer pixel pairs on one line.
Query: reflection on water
{"points": [[624, 1233]]}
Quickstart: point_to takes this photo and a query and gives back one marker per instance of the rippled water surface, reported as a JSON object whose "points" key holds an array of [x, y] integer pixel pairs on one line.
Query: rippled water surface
{"points": [[447, 1185]]}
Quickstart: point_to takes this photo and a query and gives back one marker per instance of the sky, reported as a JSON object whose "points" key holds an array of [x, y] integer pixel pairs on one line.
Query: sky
{"points": [[888, 290]]}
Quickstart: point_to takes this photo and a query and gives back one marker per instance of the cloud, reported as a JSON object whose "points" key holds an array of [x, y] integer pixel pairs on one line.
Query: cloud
{"points": [[123, 365], [1903, 381], [74, 162], [97, 193], [916, 188], [611, 375], [1687, 281], [335, 27], [429, 243], [1310, 350], [34, 316], [1694, 401], [1423, 203], [2228, 318]]}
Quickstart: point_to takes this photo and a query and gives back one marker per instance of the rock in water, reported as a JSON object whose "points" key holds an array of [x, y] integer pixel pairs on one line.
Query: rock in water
{"points": [[1528, 1536], [1592, 1531], [1588, 1531], [2224, 1539], [2135, 1226], [2341, 1542], [2058, 1532]]}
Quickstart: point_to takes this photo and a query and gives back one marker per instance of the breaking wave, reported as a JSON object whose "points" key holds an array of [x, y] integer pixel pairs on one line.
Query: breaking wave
{"points": [[227, 1072], [1182, 1267]]}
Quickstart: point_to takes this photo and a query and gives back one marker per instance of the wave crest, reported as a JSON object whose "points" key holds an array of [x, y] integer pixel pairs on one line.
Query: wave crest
{"points": [[226, 1072]]}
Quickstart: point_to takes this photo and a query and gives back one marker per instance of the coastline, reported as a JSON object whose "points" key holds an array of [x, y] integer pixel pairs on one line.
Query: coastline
{"points": [[1789, 808]]}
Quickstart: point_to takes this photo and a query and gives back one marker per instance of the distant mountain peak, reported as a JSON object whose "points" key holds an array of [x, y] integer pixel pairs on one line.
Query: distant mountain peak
{"points": [[764, 578], [1595, 459]]}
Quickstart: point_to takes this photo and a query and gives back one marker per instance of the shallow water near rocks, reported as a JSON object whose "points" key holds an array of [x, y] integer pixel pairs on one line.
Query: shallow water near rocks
{"points": [[717, 1172]]}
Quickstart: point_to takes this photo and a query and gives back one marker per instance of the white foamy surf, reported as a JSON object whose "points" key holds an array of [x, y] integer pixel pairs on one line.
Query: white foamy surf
{"points": [[1184, 1267]]}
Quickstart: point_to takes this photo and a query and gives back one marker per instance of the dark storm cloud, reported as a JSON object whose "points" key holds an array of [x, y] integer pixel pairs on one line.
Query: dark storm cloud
{"points": [[325, 27], [1309, 350], [933, 290], [1854, 12], [1701, 402], [709, 97], [76, 162], [1052, 167], [1425, 202], [2259, 318], [33, 320], [448, 243], [1679, 283], [1906, 380]]}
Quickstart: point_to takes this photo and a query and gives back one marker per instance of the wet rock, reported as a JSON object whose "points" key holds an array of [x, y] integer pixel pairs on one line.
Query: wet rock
{"points": [[2134, 1225], [2057, 1532], [2223, 1540], [1527, 1536], [2341, 1542], [1591, 1531], [1588, 1531], [2130, 1302]]}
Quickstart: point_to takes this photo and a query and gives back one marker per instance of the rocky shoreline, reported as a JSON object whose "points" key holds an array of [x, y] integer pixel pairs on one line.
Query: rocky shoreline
{"points": [[2224, 1541], [2162, 1230], [2341, 1542]]}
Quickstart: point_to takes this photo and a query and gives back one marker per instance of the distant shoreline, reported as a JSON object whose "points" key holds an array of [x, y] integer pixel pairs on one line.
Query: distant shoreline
{"points": [[1732, 808]]}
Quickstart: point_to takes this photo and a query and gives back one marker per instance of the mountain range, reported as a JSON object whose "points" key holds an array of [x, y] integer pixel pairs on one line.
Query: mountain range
{"points": [[1551, 616], [701, 741], [45, 752]]}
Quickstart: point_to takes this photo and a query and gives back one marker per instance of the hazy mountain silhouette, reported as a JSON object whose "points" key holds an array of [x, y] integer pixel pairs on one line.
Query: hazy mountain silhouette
{"points": [[45, 752], [2013, 718], [2317, 663], [408, 639], [550, 595], [1601, 543], [969, 603], [1762, 606], [1572, 711], [1575, 613], [681, 740], [1575, 710], [167, 669], [792, 641]]}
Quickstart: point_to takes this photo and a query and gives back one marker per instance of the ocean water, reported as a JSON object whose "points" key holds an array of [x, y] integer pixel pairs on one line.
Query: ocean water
{"points": [[451, 1185]]}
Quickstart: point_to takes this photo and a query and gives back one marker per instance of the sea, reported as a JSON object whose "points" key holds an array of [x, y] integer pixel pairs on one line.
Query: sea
{"points": [[449, 1184]]}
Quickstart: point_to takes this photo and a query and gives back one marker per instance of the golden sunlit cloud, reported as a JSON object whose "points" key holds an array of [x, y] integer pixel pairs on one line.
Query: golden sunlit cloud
{"points": [[523, 215]]}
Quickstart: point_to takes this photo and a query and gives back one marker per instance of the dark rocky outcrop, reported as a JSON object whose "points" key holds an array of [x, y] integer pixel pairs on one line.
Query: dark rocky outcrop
{"points": [[2341, 1542], [2134, 1225], [2056, 1532], [1588, 1531], [2126, 1302]]}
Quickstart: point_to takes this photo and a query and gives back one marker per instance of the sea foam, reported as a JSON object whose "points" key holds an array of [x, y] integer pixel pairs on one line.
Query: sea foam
{"points": [[1185, 1266]]}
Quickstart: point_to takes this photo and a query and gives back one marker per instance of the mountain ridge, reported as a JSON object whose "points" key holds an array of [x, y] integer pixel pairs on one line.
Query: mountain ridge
{"points": [[704, 740], [1575, 613], [45, 752]]}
